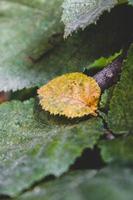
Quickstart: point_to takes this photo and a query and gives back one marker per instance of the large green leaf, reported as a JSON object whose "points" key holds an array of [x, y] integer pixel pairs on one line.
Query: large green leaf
{"points": [[31, 150], [28, 32], [111, 184], [117, 150], [39, 4], [120, 116], [79, 14], [28, 29]]}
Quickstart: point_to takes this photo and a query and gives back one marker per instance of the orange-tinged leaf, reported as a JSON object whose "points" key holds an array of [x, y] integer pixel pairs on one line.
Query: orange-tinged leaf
{"points": [[72, 95]]}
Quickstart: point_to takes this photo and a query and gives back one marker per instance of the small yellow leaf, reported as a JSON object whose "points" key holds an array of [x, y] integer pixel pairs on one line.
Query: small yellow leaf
{"points": [[72, 95]]}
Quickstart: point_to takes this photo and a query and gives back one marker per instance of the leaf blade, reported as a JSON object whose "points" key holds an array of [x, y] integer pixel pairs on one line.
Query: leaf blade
{"points": [[120, 119], [30, 150], [79, 14], [112, 183]]}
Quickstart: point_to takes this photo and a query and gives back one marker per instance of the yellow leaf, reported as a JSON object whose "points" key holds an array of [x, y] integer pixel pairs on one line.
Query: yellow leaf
{"points": [[72, 95]]}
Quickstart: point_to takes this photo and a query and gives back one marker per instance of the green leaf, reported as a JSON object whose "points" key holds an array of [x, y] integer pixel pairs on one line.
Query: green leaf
{"points": [[105, 99], [31, 150], [103, 62], [100, 63], [39, 4], [117, 150], [79, 14], [120, 116], [130, 2], [28, 29], [109, 183], [18, 70]]}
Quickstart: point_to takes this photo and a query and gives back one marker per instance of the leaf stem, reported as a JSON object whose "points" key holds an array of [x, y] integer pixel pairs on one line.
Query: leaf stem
{"points": [[109, 75]]}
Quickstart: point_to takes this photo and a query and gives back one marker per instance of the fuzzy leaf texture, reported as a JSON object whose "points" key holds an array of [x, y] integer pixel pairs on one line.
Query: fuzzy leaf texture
{"points": [[117, 150], [25, 31], [32, 49], [81, 13], [109, 183], [32, 148], [120, 116]]}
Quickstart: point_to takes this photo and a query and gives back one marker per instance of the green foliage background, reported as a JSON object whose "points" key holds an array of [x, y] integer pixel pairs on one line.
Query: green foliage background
{"points": [[39, 153]]}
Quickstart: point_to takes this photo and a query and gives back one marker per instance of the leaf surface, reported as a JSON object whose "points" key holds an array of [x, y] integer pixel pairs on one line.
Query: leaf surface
{"points": [[79, 14], [33, 51], [109, 183], [25, 29], [120, 116], [72, 95], [32, 148], [117, 150]]}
